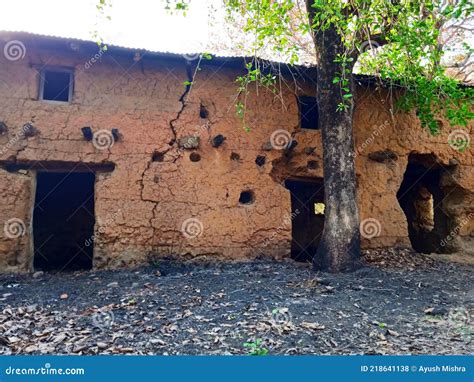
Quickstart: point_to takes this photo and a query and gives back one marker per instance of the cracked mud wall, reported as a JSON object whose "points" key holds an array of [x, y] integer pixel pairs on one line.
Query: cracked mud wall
{"points": [[16, 208], [384, 144], [139, 104], [141, 205]]}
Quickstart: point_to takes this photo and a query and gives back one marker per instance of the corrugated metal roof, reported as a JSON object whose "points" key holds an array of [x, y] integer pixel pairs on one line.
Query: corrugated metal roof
{"points": [[66, 44], [18, 34]]}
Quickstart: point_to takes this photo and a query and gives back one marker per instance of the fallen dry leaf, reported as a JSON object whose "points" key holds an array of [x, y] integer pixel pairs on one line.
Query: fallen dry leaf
{"points": [[312, 326]]}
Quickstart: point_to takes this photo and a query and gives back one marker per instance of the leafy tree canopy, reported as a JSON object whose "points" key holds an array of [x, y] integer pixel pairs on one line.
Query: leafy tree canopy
{"points": [[402, 42]]}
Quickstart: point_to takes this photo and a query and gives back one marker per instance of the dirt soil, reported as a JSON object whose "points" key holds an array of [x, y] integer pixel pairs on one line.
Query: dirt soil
{"points": [[399, 303]]}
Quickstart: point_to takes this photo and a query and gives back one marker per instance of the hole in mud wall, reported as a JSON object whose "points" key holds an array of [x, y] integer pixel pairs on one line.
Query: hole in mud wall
{"points": [[421, 198], [194, 157], [309, 115], [307, 216], [247, 197], [234, 156], [56, 85], [260, 160], [312, 165], [158, 157], [203, 112], [63, 221]]}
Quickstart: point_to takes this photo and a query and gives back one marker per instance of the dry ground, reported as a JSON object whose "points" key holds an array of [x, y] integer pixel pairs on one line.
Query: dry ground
{"points": [[399, 303]]}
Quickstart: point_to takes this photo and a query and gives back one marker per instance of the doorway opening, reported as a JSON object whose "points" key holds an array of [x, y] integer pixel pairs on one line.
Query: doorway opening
{"points": [[63, 221], [421, 199], [307, 212]]}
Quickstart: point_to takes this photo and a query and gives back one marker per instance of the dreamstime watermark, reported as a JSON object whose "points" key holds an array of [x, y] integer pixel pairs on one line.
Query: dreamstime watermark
{"points": [[14, 50], [459, 140], [374, 134], [193, 50], [456, 230], [96, 57], [192, 228], [103, 319], [102, 228], [23, 132], [459, 323], [14, 228], [45, 370], [278, 319], [204, 128], [370, 228], [281, 316], [200, 130], [280, 139], [103, 139], [369, 46]]}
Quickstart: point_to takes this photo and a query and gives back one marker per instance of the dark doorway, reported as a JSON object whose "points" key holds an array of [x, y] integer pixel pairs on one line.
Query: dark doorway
{"points": [[307, 212], [63, 221], [421, 198]]}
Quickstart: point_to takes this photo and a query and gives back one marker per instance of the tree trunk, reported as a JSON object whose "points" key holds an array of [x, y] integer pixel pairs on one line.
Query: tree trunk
{"points": [[339, 248]]}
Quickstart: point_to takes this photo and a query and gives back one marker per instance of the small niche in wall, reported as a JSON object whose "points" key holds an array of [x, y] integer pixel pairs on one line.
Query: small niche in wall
{"points": [[3, 128], [234, 156], [260, 160], [194, 157], [247, 197], [158, 157], [203, 112]]}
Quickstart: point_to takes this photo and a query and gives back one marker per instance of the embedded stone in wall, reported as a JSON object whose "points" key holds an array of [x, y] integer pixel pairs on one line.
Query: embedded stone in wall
{"points": [[189, 142], [30, 130], [267, 146], [383, 156]]}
